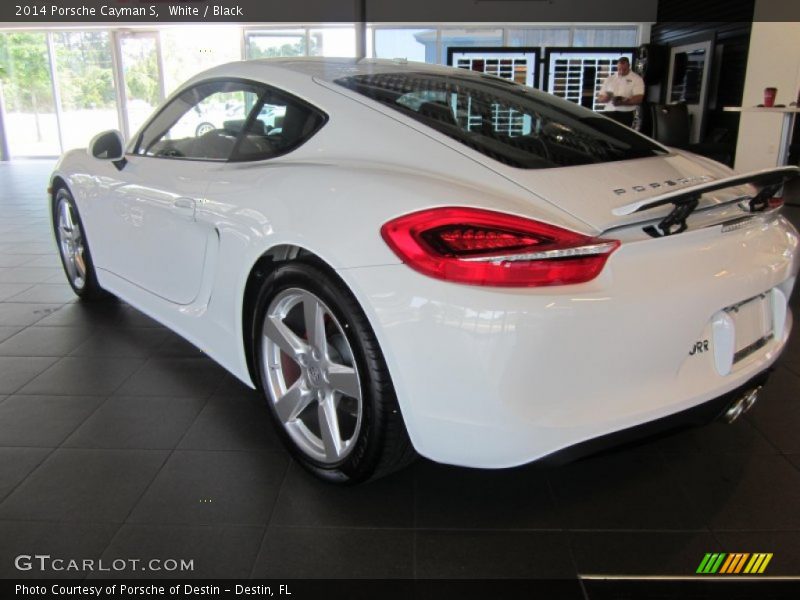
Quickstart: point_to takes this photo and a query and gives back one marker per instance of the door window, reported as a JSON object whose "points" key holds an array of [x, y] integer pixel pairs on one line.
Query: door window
{"points": [[229, 121], [279, 124], [204, 122]]}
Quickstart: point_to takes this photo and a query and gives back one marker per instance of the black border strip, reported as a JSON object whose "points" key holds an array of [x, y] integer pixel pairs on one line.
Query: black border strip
{"points": [[575, 588], [372, 11]]}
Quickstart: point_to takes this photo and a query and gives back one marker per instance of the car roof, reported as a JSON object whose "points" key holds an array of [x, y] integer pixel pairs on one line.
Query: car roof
{"points": [[330, 69]]}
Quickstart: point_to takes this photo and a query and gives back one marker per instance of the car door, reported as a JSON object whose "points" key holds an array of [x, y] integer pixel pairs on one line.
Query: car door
{"points": [[154, 238]]}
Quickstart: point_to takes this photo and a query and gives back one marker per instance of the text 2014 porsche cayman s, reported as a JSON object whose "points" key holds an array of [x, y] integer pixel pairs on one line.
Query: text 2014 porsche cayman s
{"points": [[417, 259]]}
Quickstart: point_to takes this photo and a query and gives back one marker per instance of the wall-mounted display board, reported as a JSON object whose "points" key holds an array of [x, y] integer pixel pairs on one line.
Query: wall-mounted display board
{"points": [[516, 64], [576, 74]]}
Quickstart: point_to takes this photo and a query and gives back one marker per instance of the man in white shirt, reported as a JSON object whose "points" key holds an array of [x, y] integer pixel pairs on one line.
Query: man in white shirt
{"points": [[622, 92]]}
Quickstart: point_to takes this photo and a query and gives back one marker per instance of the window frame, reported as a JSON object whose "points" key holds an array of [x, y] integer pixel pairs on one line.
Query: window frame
{"points": [[265, 91]]}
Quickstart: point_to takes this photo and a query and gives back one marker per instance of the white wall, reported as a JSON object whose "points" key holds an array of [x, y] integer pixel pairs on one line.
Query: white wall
{"points": [[773, 61]]}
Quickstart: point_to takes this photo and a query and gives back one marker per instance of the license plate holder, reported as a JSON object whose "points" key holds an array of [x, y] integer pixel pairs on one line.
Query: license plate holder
{"points": [[753, 323]]}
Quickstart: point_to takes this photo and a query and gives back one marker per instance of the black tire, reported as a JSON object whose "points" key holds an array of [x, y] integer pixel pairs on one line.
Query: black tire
{"points": [[79, 270], [380, 444]]}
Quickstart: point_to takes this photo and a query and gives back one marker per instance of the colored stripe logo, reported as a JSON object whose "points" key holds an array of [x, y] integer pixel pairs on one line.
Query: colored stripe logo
{"points": [[737, 563]]}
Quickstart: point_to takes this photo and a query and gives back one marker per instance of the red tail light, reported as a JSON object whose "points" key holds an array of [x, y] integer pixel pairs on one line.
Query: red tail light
{"points": [[775, 202], [482, 247]]}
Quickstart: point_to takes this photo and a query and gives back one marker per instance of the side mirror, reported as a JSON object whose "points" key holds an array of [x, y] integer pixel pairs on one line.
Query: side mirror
{"points": [[108, 145]]}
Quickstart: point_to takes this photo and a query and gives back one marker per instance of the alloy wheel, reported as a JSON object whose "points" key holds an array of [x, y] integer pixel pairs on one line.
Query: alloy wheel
{"points": [[71, 244], [311, 375], [203, 129]]}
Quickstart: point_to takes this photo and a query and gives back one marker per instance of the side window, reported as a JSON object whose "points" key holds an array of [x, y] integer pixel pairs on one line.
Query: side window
{"points": [[204, 122], [280, 124]]}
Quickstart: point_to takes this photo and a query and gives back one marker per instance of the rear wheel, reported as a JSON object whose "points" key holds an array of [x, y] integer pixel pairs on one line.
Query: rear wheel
{"points": [[73, 248], [325, 379]]}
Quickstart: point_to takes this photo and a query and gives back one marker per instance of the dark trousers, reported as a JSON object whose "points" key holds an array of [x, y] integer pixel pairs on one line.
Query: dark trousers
{"points": [[624, 117]]}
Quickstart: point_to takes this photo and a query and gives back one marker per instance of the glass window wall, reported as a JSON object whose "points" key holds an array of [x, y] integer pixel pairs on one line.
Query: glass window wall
{"points": [[469, 37], [605, 36], [332, 41], [140, 69], [85, 82], [189, 50], [30, 114], [274, 43], [537, 37], [411, 44]]}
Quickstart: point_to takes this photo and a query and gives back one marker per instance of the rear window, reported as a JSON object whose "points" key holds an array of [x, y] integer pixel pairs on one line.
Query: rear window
{"points": [[511, 123]]}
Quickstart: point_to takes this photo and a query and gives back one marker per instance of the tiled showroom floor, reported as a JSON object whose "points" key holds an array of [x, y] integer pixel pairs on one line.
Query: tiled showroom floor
{"points": [[118, 439]]}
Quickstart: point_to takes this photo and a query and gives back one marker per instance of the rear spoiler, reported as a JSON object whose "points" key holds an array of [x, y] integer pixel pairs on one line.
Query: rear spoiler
{"points": [[768, 182]]}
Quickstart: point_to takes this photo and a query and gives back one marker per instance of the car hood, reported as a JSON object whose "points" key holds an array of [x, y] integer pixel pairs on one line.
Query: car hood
{"points": [[591, 193]]}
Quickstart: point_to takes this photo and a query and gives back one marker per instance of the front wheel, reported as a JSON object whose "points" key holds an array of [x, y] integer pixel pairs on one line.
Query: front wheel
{"points": [[73, 248], [325, 378]]}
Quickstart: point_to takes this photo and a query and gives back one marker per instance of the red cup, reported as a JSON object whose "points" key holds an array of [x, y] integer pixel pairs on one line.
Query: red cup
{"points": [[769, 96]]}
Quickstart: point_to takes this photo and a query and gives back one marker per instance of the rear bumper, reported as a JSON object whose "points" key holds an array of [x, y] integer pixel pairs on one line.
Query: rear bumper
{"points": [[701, 414], [494, 378]]}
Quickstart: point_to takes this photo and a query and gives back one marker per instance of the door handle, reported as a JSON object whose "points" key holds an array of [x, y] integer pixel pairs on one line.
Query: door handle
{"points": [[184, 207]]}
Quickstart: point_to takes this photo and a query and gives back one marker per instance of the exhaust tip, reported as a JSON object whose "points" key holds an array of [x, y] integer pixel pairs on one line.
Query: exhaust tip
{"points": [[750, 399], [741, 405], [734, 412]]}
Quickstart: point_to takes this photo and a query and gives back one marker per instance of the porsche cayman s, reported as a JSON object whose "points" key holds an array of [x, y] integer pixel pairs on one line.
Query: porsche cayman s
{"points": [[410, 259]]}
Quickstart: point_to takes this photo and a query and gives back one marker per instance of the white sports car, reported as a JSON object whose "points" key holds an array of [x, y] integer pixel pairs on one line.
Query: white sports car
{"points": [[428, 260]]}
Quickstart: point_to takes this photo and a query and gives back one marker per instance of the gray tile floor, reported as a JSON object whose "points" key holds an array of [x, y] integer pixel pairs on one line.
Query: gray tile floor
{"points": [[118, 439]]}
